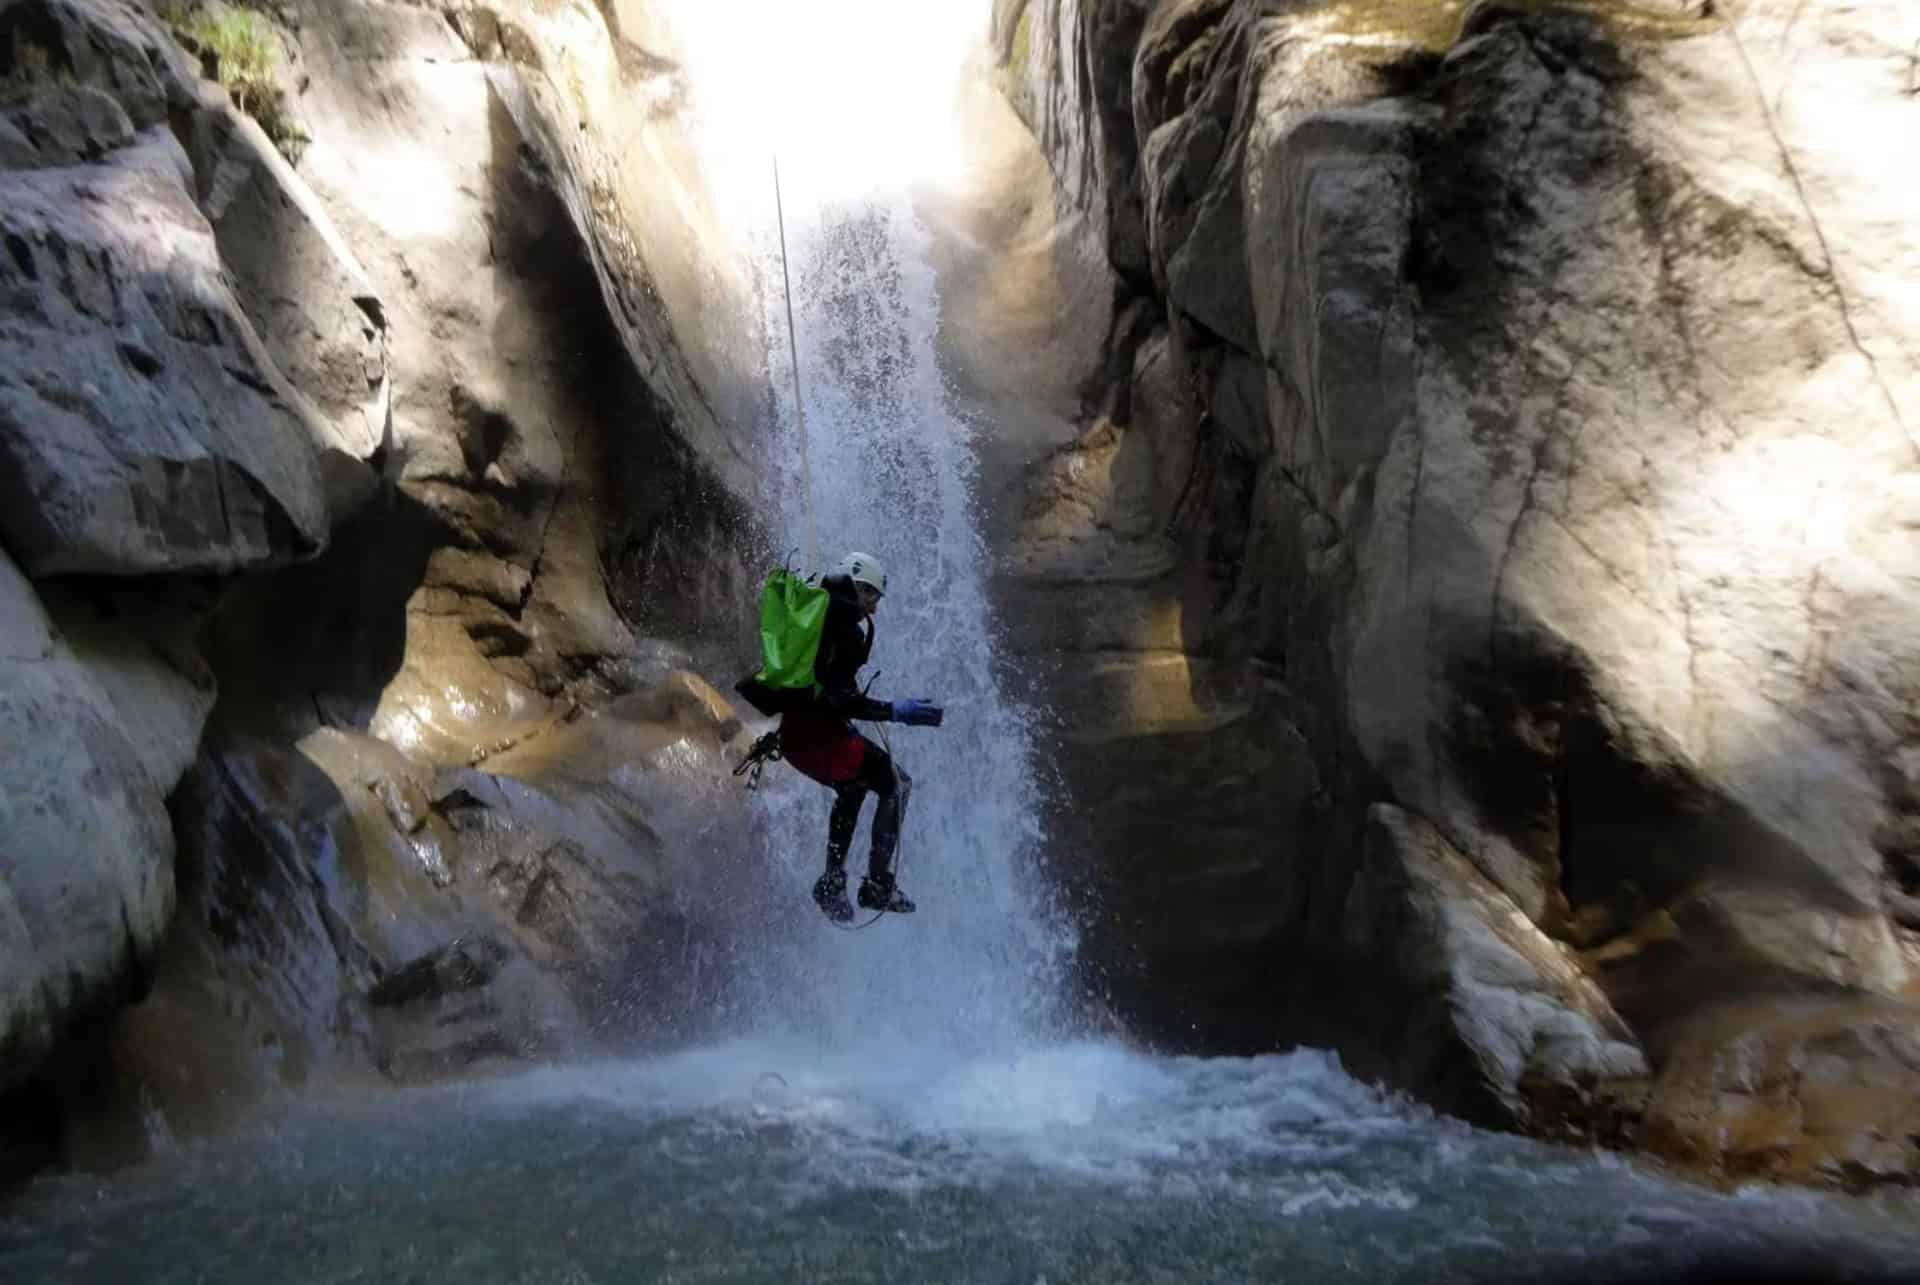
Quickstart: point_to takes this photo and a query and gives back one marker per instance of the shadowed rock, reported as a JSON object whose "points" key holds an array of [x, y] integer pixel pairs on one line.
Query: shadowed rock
{"points": [[460, 965], [86, 855]]}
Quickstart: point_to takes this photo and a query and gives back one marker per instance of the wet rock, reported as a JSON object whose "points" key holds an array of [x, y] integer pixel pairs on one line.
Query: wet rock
{"points": [[16, 149], [1794, 1090], [353, 910], [405, 802], [271, 923], [298, 898], [462, 964], [1475, 982], [604, 838]]}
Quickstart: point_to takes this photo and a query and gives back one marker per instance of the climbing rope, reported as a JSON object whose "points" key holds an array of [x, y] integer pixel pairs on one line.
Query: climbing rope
{"points": [[767, 748], [793, 352]]}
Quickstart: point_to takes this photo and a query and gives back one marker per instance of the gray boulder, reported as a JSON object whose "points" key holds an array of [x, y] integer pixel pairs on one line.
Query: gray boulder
{"points": [[138, 642], [317, 312], [61, 124], [142, 426], [114, 46], [86, 851], [1498, 1020]]}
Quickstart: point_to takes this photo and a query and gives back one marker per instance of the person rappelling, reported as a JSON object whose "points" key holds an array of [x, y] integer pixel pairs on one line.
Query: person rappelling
{"points": [[815, 639]]}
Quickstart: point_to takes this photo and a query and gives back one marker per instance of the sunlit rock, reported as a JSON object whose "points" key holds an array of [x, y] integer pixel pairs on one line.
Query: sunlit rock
{"points": [[144, 430], [317, 311], [460, 419], [1488, 989], [350, 915]]}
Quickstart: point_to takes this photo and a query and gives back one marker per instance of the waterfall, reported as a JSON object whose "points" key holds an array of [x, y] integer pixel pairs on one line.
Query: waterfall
{"points": [[888, 469]]}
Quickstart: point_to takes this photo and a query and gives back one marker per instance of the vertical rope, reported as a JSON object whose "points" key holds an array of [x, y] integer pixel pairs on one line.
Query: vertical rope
{"points": [[799, 405]]}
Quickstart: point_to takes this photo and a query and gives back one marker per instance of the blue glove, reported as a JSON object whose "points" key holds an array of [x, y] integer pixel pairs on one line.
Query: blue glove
{"points": [[922, 712]]}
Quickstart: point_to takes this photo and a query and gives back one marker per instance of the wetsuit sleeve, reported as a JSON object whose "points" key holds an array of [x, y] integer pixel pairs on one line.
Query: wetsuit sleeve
{"points": [[853, 704], [838, 689]]}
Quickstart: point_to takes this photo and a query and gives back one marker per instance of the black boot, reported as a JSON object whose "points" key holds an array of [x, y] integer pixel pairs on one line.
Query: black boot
{"points": [[830, 894], [878, 892]]}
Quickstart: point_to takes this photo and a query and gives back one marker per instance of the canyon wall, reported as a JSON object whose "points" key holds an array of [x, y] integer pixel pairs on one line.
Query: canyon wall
{"points": [[1480, 604], [377, 464]]}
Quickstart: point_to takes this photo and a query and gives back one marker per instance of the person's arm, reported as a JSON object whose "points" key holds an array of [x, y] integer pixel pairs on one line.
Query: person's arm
{"points": [[851, 702], [839, 690]]}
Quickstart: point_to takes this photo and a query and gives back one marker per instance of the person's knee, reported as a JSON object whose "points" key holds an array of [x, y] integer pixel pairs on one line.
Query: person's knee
{"points": [[876, 771]]}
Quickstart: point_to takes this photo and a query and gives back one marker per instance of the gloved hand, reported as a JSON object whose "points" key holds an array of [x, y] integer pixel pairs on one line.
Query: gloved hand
{"points": [[921, 712]]}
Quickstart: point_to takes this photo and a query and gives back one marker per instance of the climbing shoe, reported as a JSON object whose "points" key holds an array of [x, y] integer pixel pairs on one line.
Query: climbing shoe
{"points": [[881, 894], [830, 894]]}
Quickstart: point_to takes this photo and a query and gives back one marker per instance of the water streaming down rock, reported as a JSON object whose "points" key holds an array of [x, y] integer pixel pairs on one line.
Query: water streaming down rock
{"points": [[887, 468]]}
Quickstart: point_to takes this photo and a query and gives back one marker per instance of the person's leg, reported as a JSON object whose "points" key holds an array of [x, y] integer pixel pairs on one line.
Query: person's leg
{"points": [[847, 799], [891, 786], [887, 816], [830, 892]]}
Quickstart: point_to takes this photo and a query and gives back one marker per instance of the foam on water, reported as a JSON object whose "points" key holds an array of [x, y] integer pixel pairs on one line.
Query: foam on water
{"points": [[1094, 1110], [766, 1160]]}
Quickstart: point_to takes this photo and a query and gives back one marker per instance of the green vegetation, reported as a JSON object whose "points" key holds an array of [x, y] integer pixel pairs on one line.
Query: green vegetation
{"points": [[1022, 45], [1435, 24], [237, 47], [1011, 75]]}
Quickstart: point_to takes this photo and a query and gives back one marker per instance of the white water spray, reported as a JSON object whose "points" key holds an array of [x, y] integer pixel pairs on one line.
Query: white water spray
{"points": [[859, 121]]}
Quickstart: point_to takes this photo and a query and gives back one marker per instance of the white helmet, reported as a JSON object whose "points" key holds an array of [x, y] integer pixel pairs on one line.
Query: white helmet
{"points": [[863, 568]]}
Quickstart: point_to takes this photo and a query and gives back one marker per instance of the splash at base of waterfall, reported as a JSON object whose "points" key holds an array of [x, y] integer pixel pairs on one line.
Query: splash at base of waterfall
{"points": [[758, 1161]]}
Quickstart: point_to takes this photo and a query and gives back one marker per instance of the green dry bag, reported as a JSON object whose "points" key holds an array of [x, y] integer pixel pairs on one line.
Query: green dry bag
{"points": [[792, 614]]}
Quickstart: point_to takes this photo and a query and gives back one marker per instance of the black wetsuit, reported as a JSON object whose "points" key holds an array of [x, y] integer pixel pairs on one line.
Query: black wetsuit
{"points": [[819, 739]]}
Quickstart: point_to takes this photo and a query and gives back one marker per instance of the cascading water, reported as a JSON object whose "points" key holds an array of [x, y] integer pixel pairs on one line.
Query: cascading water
{"points": [[879, 462], [908, 1102], [889, 465]]}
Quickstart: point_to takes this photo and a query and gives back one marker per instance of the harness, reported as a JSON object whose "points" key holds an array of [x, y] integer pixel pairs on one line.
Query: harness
{"points": [[765, 750]]}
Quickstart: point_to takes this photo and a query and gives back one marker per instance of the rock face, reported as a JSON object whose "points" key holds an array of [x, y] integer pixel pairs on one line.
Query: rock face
{"points": [[367, 513], [121, 321], [86, 861], [1515, 442]]}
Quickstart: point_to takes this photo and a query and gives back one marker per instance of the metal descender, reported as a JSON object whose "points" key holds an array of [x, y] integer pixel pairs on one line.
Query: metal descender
{"points": [[765, 750]]}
